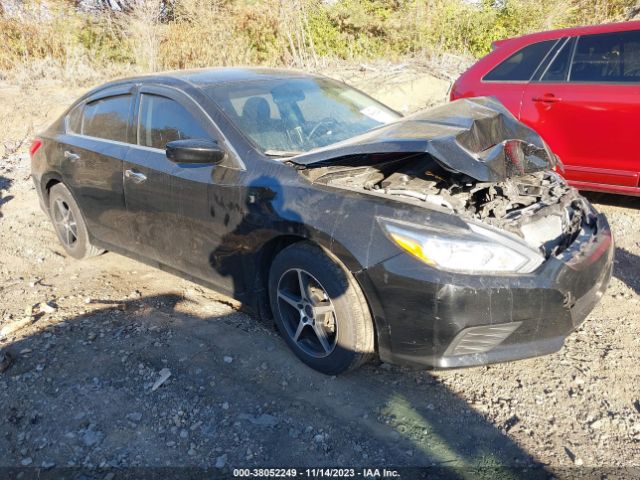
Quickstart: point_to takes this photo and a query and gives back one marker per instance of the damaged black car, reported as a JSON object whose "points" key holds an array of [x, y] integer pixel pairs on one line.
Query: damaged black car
{"points": [[443, 239]]}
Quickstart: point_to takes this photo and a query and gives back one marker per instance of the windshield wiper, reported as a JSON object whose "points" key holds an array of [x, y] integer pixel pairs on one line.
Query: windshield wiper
{"points": [[281, 153]]}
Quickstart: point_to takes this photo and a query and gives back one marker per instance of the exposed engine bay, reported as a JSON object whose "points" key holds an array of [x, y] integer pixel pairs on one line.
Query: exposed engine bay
{"points": [[539, 207]]}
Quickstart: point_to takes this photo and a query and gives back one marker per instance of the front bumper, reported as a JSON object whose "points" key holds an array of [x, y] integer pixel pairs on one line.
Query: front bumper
{"points": [[423, 315]]}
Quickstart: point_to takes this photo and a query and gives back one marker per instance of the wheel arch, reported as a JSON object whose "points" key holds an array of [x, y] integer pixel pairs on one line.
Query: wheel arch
{"points": [[47, 181], [333, 249], [264, 260], [275, 245]]}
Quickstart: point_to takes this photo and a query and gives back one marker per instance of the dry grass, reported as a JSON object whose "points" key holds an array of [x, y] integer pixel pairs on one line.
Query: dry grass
{"points": [[144, 33], [49, 40]]}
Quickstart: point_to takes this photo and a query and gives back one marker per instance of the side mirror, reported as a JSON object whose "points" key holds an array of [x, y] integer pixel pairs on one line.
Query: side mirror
{"points": [[195, 151]]}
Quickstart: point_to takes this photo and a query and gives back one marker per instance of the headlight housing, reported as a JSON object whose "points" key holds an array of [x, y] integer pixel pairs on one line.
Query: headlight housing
{"points": [[475, 250]]}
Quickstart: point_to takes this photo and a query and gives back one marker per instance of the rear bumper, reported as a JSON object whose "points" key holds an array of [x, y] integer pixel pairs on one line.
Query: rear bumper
{"points": [[431, 318]]}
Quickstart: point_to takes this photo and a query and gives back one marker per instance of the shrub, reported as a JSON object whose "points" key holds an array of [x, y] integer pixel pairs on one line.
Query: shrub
{"points": [[165, 34]]}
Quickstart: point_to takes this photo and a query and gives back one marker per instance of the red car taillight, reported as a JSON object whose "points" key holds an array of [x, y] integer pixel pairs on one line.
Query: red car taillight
{"points": [[35, 145]]}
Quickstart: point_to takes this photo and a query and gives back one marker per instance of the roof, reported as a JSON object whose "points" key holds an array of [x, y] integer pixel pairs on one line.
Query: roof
{"points": [[574, 31], [206, 76]]}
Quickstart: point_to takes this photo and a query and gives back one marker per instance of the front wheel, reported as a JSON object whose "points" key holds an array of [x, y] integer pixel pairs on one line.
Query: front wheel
{"points": [[69, 223], [320, 310]]}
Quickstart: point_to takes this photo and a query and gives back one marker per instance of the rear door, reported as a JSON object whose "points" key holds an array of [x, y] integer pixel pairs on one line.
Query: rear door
{"points": [[586, 105], [508, 79], [170, 203], [91, 155]]}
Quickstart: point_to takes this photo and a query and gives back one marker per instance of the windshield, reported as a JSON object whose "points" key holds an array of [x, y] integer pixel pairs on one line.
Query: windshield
{"points": [[290, 116]]}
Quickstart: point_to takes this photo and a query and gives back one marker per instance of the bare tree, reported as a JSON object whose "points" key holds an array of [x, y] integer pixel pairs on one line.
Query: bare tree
{"points": [[167, 7], [144, 27], [634, 12], [295, 23]]}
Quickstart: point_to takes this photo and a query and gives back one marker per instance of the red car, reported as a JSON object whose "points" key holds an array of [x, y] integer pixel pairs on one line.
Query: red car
{"points": [[580, 89]]}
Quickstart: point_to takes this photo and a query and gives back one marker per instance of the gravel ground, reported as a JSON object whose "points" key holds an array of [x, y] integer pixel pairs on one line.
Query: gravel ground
{"points": [[116, 364]]}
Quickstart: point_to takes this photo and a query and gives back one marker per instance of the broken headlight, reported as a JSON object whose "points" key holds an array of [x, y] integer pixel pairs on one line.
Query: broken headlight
{"points": [[475, 250]]}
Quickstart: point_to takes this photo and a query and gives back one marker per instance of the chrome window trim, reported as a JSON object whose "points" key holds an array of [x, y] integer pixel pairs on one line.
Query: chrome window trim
{"points": [[515, 82], [125, 144], [149, 149], [107, 140], [573, 56], [536, 74], [564, 44], [606, 84]]}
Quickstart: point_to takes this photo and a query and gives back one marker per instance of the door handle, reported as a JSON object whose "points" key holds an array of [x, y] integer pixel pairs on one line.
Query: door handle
{"points": [[136, 177], [72, 157], [547, 98]]}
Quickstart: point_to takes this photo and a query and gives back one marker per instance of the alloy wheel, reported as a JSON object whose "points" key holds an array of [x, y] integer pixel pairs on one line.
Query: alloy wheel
{"points": [[65, 222], [307, 312]]}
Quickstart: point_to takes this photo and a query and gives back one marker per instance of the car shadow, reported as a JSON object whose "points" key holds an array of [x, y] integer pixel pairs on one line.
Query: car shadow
{"points": [[625, 201], [627, 267], [627, 264], [5, 183], [262, 211], [81, 396]]}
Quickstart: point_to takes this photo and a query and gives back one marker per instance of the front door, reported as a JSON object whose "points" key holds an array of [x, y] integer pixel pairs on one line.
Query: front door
{"points": [[171, 203]]}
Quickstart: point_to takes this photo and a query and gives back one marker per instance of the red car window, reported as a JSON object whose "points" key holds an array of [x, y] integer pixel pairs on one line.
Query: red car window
{"points": [[521, 65], [608, 58]]}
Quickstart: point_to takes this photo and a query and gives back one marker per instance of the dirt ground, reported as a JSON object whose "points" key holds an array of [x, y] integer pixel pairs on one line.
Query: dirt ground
{"points": [[91, 340]]}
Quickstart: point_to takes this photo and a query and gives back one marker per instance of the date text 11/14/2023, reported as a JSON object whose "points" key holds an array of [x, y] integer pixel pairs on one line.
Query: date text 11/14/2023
{"points": [[315, 473]]}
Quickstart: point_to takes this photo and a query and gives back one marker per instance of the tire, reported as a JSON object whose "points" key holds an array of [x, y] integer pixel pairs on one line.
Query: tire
{"points": [[69, 224], [333, 307]]}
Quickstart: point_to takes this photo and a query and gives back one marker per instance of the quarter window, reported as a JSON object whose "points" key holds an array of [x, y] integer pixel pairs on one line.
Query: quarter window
{"points": [[521, 65], [163, 120], [107, 118], [607, 57]]}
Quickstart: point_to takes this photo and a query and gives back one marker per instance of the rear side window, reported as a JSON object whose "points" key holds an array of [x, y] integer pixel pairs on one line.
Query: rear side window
{"points": [[559, 68], [163, 120], [107, 118], [607, 57], [521, 65]]}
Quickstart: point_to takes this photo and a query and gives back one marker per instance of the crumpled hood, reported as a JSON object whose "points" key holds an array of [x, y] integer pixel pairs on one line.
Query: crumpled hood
{"points": [[475, 136]]}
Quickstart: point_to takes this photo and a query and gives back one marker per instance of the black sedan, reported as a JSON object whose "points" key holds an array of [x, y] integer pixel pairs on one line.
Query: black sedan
{"points": [[443, 239]]}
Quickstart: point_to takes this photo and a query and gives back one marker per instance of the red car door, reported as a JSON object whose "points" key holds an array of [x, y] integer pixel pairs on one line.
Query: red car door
{"points": [[507, 79], [586, 105]]}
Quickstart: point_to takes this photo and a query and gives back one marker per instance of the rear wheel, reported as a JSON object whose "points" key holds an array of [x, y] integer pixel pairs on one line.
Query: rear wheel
{"points": [[69, 224], [320, 310]]}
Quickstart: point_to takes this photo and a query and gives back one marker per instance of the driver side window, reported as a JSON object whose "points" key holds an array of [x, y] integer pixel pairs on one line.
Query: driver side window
{"points": [[162, 120]]}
